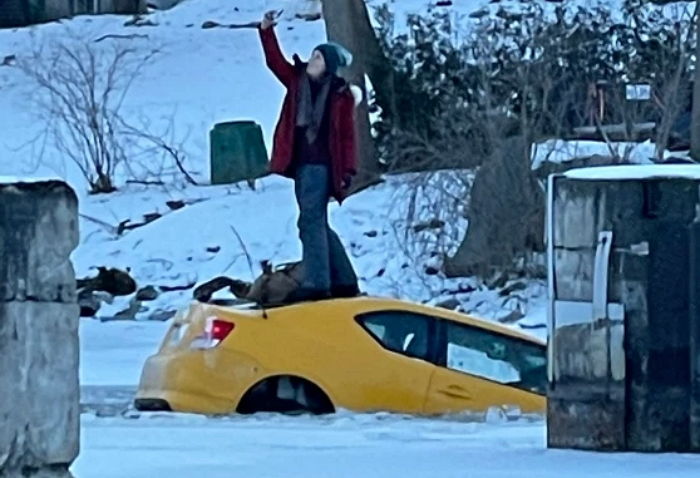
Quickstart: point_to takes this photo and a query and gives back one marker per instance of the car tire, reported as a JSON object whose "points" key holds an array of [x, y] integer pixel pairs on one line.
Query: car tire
{"points": [[285, 394]]}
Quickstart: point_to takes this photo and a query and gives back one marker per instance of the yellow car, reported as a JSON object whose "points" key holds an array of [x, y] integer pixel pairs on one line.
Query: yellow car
{"points": [[363, 354]]}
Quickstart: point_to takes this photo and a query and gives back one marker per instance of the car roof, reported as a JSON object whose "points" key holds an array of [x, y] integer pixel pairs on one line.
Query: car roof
{"points": [[367, 304]]}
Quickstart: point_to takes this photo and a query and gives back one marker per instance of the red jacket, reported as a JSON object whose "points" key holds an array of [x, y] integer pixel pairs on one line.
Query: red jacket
{"points": [[342, 144]]}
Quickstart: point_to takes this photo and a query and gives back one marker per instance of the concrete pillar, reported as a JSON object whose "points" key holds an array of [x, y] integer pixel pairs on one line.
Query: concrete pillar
{"points": [[624, 341], [39, 392]]}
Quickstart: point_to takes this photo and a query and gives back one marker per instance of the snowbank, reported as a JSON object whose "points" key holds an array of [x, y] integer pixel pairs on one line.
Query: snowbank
{"points": [[629, 172], [560, 151], [27, 179]]}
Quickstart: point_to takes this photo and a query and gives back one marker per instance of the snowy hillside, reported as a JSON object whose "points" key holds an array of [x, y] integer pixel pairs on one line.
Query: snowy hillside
{"points": [[396, 234], [198, 242], [198, 78]]}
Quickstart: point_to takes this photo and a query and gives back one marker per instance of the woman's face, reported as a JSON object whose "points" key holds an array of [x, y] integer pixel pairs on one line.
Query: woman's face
{"points": [[317, 65]]}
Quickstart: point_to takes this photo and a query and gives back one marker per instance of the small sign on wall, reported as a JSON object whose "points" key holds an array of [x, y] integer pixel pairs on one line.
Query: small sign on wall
{"points": [[638, 92]]}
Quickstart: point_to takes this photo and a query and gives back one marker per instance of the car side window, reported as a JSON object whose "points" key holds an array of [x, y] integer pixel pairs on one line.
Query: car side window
{"points": [[497, 357], [401, 332]]}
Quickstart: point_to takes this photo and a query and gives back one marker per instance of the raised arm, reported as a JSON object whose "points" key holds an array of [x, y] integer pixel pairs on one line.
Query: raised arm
{"points": [[278, 64]]}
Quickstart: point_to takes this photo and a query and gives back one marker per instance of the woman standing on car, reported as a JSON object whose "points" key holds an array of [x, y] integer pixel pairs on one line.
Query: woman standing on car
{"points": [[314, 144]]}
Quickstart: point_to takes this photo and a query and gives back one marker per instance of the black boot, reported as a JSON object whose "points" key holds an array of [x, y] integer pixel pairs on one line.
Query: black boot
{"points": [[204, 292], [345, 291], [305, 294]]}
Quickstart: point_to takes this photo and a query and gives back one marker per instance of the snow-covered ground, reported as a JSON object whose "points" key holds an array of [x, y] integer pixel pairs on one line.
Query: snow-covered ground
{"points": [[172, 251], [560, 151], [346, 446], [201, 77], [204, 76], [113, 353]]}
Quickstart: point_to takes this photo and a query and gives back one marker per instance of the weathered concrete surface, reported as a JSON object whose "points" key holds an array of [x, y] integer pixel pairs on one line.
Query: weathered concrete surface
{"points": [[653, 404], [39, 391], [38, 232]]}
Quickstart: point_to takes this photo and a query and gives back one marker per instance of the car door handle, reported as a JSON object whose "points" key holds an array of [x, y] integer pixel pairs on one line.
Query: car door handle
{"points": [[455, 391]]}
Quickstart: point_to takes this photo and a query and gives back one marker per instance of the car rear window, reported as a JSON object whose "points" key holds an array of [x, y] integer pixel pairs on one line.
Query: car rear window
{"points": [[497, 357]]}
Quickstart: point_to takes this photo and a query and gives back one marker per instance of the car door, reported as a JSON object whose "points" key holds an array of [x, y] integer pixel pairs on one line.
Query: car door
{"points": [[479, 369], [399, 369]]}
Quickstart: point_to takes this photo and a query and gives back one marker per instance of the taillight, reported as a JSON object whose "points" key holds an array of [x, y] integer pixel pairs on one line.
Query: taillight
{"points": [[215, 332], [220, 329]]}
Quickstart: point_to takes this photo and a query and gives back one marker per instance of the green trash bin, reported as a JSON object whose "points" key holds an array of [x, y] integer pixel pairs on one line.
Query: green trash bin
{"points": [[237, 152]]}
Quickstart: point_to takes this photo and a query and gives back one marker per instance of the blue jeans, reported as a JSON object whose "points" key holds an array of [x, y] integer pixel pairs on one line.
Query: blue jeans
{"points": [[324, 261]]}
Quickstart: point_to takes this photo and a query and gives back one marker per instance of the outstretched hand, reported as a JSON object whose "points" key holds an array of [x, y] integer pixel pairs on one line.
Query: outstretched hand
{"points": [[270, 19]]}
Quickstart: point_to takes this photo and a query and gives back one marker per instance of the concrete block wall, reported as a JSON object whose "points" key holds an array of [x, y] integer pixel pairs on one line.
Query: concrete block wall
{"points": [[39, 353]]}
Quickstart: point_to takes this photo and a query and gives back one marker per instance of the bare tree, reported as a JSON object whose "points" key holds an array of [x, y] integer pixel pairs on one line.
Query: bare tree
{"points": [[514, 80], [129, 6], [82, 89], [348, 23], [430, 216], [515, 87], [14, 13], [695, 122], [665, 43]]}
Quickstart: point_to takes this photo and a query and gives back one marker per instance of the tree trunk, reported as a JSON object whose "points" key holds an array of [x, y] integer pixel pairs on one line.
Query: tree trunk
{"points": [[54, 9], [506, 214], [14, 13], [695, 118], [348, 23], [128, 6]]}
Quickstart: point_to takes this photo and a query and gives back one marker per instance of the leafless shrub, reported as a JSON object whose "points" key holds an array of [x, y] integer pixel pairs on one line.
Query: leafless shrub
{"points": [[164, 152], [82, 86], [430, 217], [478, 93]]}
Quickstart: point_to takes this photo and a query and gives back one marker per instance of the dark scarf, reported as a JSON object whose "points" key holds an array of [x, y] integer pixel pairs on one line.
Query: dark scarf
{"points": [[310, 112]]}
